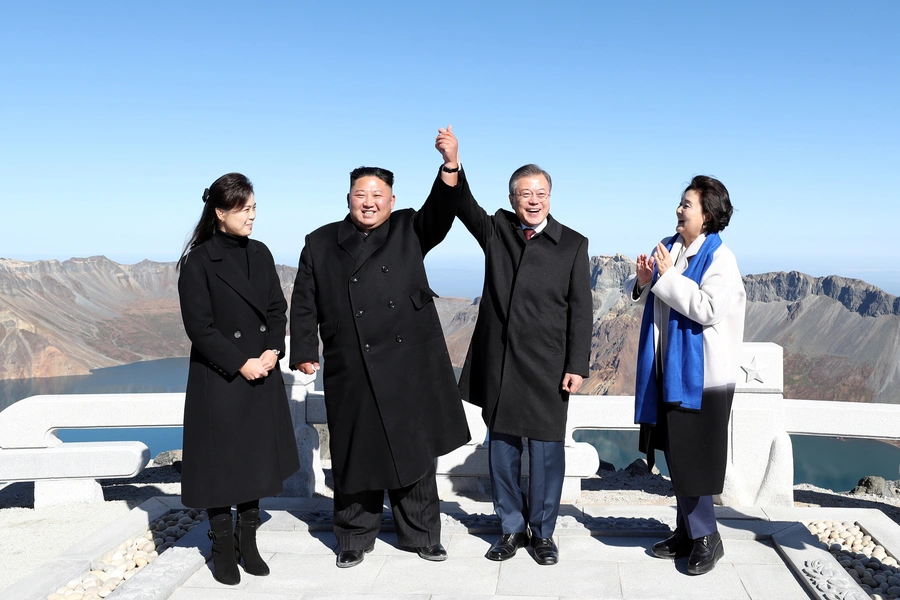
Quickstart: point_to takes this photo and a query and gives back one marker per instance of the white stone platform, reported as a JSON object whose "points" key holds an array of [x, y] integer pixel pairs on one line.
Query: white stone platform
{"points": [[604, 553]]}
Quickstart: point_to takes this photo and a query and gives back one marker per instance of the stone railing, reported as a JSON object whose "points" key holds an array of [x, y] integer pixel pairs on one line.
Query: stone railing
{"points": [[759, 471], [67, 472]]}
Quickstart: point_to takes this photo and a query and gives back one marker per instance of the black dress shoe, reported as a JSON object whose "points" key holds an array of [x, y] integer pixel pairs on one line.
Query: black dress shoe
{"points": [[678, 545], [351, 558], [706, 553], [505, 548], [545, 551], [434, 552]]}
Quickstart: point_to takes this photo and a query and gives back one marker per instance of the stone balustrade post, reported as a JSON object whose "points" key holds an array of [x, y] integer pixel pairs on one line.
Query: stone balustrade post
{"points": [[305, 481], [760, 468]]}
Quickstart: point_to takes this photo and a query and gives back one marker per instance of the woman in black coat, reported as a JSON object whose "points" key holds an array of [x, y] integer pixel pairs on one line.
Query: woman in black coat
{"points": [[239, 441]]}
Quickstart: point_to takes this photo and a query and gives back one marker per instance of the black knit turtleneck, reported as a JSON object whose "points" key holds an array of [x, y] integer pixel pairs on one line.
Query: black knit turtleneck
{"points": [[236, 246]]}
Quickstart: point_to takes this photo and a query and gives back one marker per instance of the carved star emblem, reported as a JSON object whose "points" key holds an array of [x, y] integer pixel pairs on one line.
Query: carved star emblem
{"points": [[752, 373]]}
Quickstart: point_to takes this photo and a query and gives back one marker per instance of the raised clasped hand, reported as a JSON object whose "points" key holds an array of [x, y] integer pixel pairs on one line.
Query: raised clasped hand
{"points": [[447, 144]]}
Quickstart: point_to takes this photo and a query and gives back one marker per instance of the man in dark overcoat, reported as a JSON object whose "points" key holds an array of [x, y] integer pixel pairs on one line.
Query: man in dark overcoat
{"points": [[390, 393], [529, 351]]}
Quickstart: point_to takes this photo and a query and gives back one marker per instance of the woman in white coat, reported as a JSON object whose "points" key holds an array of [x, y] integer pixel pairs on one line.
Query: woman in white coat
{"points": [[690, 344]]}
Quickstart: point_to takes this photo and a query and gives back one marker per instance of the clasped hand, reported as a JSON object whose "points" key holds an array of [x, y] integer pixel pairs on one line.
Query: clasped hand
{"points": [[447, 144], [257, 368]]}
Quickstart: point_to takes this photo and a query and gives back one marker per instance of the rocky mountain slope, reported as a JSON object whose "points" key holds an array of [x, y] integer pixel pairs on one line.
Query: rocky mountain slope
{"points": [[841, 336], [67, 317]]}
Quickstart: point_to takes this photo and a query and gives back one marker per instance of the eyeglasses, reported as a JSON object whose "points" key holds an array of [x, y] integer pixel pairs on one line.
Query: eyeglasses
{"points": [[529, 194]]}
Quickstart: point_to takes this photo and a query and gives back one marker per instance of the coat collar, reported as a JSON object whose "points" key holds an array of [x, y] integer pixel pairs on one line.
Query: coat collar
{"points": [[695, 247], [348, 238], [552, 231], [252, 290]]}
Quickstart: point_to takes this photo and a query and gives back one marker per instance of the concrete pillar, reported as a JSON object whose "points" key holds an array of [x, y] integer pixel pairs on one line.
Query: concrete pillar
{"points": [[760, 470], [56, 492], [304, 482]]}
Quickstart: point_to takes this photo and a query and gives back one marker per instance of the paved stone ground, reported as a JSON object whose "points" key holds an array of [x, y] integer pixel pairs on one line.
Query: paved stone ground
{"points": [[767, 554], [618, 565]]}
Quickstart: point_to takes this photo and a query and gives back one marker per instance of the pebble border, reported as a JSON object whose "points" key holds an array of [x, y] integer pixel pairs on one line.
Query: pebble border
{"points": [[869, 564], [128, 558]]}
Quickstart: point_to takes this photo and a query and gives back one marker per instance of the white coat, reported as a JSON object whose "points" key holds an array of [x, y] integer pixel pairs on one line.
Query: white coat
{"points": [[698, 440]]}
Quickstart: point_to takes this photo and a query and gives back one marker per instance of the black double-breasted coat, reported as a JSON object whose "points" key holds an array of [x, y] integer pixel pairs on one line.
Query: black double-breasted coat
{"points": [[239, 440], [390, 392], [534, 322]]}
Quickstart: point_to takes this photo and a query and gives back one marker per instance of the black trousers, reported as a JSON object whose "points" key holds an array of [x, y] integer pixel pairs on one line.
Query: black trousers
{"points": [[416, 509]]}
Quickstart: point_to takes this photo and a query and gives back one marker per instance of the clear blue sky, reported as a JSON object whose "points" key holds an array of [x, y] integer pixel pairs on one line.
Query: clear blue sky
{"points": [[115, 115]]}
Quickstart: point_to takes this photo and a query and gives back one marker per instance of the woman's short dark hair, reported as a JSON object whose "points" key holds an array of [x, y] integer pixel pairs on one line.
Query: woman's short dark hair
{"points": [[714, 201], [228, 192]]}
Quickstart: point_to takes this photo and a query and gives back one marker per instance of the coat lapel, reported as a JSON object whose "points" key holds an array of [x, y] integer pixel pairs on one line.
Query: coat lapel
{"points": [[348, 236], [251, 289], [348, 239]]}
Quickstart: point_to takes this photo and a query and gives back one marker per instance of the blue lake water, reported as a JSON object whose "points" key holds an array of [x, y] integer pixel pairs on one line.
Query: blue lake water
{"points": [[831, 463]]}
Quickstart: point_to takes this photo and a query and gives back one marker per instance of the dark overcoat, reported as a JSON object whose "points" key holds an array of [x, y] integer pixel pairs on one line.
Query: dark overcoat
{"points": [[239, 440], [390, 392], [534, 323]]}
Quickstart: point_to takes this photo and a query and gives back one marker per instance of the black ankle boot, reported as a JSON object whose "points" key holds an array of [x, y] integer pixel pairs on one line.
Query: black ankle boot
{"points": [[225, 569], [245, 542]]}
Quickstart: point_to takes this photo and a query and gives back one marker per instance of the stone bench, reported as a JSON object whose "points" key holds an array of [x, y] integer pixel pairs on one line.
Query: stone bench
{"points": [[67, 472]]}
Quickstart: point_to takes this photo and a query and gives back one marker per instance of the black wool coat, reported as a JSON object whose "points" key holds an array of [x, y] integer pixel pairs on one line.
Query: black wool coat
{"points": [[534, 323], [239, 440], [390, 392]]}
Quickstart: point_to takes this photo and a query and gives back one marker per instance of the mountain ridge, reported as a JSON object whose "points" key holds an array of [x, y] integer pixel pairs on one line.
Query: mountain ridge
{"points": [[841, 336]]}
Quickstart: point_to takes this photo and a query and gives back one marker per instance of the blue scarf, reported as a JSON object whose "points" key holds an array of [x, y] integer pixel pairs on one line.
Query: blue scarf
{"points": [[682, 383]]}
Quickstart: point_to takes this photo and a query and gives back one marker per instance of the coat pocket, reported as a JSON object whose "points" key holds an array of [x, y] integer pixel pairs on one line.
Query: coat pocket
{"points": [[551, 331], [329, 328], [422, 297]]}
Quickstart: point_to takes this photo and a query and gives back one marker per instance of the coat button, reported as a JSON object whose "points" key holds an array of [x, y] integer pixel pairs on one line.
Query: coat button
{"points": [[262, 328], [366, 347], [237, 334], [353, 280], [384, 269], [359, 313], [390, 304], [399, 339]]}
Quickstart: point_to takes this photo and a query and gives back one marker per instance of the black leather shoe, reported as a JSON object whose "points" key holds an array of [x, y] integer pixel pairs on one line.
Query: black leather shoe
{"points": [[677, 545], [545, 551], [434, 552], [706, 553], [351, 558], [505, 548]]}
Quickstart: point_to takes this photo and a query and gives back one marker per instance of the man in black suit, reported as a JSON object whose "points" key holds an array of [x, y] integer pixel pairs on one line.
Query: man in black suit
{"points": [[529, 351], [390, 393]]}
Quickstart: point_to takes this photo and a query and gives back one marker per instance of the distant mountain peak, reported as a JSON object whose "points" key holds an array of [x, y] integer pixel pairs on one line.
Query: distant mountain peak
{"points": [[854, 294]]}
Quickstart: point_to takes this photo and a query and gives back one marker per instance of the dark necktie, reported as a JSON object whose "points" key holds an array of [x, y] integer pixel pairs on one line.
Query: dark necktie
{"points": [[529, 233]]}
